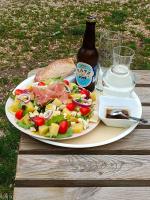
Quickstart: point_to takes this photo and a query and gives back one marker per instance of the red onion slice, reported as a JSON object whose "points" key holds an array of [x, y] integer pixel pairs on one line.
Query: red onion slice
{"points": [[26, 91], [24, 97], [48, 114], [84, 104]]}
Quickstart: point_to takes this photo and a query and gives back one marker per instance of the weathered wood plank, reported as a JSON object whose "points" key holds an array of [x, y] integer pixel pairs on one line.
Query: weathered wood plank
{"points": [[88, 193], [143, 77], [146, 112], [144, 94], [83, 170], [136, 143]]}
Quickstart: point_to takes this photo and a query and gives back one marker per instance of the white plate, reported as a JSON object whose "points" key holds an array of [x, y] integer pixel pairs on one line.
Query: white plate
{"points": [[13, 120], [114, 134]]}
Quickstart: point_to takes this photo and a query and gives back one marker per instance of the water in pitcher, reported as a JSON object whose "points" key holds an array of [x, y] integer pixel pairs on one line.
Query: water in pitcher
{"points": [[120, 69]]}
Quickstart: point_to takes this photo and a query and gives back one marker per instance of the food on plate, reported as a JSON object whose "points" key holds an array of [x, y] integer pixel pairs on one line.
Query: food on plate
{"points": [[54, 108], [19, 114], [58, 68], [50, 91]]}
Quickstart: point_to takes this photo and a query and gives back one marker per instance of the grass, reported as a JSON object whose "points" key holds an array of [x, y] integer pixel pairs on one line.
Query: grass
{"points": [[117, 17], [8, 155], [32, 33]]}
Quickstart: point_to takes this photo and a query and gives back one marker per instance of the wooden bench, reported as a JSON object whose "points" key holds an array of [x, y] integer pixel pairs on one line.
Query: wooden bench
{"points": [[118, 171]]}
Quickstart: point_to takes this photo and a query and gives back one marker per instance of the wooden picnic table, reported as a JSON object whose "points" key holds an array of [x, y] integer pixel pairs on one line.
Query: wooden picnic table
{"points": [[120, 170]]}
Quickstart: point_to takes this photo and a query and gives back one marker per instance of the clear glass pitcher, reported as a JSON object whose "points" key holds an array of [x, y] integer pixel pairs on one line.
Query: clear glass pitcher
{"points": [[107, 41], [119, 79]]}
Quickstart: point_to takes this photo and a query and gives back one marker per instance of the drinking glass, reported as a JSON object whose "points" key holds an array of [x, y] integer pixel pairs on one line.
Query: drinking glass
{"points": [[122, 59], [108, 40]]}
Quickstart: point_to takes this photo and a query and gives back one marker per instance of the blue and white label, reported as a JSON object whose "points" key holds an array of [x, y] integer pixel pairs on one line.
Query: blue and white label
{"points": [[84, 74]]}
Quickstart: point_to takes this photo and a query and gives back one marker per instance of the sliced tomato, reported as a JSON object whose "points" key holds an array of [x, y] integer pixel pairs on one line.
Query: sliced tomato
{"points": [[19, 91], [39, 121], [66, 82], [63, 127], [86, 92], [85, 110], [41, 84], [19, 114], [71, 106]]}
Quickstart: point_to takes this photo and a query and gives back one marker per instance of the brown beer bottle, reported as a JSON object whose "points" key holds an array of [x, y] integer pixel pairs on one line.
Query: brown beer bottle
{"points": [[87, 57]]}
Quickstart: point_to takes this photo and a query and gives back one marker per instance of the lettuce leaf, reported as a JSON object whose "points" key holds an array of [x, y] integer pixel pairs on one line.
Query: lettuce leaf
{"points": [[75, 89], [12, 96], [21, 124], [53, 80], [55, 119], [69, 133]]}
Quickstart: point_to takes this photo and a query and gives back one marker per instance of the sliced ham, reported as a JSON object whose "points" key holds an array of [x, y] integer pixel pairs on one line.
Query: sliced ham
{"points": [[64, 98], [57, 90], [58, 87]]}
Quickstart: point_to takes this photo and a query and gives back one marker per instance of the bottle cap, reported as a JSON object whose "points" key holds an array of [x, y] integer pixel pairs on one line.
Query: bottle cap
{"points": [[91, 18]]}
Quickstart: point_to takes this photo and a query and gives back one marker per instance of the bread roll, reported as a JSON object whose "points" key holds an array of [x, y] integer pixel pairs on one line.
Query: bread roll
{"points": [[59, 68]]}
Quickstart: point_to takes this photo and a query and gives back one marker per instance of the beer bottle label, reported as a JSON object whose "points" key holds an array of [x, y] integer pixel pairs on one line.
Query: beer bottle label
{"points": [[85, 74]]}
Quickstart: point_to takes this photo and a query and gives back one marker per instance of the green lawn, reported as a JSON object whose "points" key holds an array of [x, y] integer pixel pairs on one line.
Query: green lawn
{"points": [[32, 33]]}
